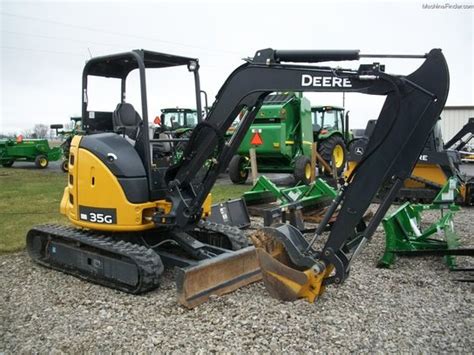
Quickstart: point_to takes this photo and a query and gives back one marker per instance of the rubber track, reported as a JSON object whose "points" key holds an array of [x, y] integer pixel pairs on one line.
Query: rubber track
{"points": [[235, 235], [426, 182], [430, 185], [148, 263]]}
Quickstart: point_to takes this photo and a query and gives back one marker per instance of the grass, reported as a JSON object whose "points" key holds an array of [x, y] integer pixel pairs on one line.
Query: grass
{"points": [[224, 192], [29, 197]]}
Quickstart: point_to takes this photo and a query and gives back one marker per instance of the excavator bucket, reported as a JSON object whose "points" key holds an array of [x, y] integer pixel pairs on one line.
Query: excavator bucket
{"points": [[288, 284], [217, 276], [282, 278]]}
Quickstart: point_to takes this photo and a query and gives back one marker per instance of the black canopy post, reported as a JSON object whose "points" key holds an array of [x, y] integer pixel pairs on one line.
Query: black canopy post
{"points": [[197, 85]]}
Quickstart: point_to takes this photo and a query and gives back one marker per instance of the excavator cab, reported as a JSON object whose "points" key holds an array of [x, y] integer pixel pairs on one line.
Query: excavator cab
{"points": [[119, 144], [130, 122]]}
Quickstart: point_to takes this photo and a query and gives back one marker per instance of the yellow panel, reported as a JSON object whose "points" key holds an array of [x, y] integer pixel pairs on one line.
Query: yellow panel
{"points": [[433, 173], [430, 172], [95, 186], [206, 207], [350, 166], [99, 188]]}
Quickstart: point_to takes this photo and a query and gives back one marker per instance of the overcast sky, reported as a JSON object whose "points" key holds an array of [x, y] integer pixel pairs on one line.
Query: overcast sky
{"points": [[44, 46]]}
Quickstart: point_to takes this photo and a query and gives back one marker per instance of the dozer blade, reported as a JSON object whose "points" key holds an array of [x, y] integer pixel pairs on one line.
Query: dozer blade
{"points": [[217, 276], [282, 278]]}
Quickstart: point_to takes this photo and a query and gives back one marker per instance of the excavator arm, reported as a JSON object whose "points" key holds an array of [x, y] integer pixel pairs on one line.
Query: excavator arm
{"points": [[468, 128], [413, 104], [248, 85]]}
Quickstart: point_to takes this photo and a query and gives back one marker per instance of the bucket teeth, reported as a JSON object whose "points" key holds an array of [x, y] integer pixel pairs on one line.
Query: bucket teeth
{"points": [[264, 241]]}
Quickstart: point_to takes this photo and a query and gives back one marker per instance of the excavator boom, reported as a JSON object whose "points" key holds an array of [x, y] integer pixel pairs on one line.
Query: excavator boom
{"points": [[412, 105]]}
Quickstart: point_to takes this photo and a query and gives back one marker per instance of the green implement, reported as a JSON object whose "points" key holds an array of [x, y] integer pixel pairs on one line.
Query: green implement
{"points": [[404, 234], [282, 134], [36, 151], [265, 190], [270, 201], [68, 135]]}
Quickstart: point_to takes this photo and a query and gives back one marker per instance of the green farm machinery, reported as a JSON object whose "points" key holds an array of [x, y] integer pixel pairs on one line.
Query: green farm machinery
{"points": [[176, 124], [67, 135], [282, 134], [288, 204], [178, 120], [331, 131], [406, 234], [36, 151]]}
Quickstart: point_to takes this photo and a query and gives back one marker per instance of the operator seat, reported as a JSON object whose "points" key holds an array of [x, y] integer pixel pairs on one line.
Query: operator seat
{"points": [[127, 121]]}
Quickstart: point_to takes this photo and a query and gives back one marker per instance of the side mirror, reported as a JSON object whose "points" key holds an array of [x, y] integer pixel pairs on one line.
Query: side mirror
{"points": [[206, 105]]}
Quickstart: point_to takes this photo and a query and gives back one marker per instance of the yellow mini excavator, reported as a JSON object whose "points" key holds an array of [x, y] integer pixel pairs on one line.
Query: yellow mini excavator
{"points": [[437, 163], [135, 207]]}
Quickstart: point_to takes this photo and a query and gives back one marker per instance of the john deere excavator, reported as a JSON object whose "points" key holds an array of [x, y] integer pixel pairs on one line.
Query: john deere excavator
{"points": [[134, 210], [437, 163]]}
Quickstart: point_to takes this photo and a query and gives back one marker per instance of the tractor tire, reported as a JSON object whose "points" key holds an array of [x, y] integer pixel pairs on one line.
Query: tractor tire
{"points": [[302, 172], [237, 172], [41, 161], [8, 164], [65, 165], [333, 146]]}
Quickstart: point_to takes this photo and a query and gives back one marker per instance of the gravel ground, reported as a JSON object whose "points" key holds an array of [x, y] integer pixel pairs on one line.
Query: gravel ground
{"points": [[415, 307]]}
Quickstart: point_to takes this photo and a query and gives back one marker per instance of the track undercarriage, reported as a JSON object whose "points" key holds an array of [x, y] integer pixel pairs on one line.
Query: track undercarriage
{"points": [[134, 262]]}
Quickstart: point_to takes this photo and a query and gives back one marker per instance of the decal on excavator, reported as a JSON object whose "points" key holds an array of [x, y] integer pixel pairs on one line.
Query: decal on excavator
{"points": [[98, 215], [325, 81]]}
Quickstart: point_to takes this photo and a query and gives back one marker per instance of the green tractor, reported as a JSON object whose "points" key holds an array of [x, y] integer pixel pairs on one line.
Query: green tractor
{"points": [[67, 136], [331, 131], [176, 123], [178, 120], [282, 134], [36, 151]]}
